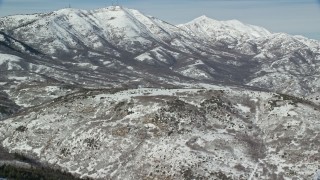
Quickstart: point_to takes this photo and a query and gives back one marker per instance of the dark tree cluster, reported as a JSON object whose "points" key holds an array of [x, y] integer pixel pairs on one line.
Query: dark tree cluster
{"points": [[35, 173]]}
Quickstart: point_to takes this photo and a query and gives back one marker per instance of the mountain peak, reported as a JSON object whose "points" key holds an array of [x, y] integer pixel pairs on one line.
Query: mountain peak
{"points": [[111, 8], [202, 19], [67, 11], [231, 28], [108, 10]]}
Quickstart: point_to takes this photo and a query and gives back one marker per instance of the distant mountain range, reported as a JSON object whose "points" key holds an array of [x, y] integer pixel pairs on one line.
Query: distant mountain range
{"points": [[60, 59]]}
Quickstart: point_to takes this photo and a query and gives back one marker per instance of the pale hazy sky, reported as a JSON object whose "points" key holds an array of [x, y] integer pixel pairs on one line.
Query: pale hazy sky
{"points": [[290, 16]]}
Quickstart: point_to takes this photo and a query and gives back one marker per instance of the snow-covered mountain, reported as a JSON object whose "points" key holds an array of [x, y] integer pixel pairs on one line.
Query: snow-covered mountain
{"points": [[231, 31], [215, 133], [131, 46], [60, 59]]}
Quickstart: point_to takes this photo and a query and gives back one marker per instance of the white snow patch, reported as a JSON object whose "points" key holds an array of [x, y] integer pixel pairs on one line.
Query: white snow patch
{"points": [[144, 57], [282, 110], [243, 108], [5, 58], [18, 78]]}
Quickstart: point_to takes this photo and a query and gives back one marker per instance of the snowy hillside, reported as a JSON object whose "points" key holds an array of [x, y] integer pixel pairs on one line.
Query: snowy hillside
{"points": [[217, 134], [130, 46], [112, 93]]}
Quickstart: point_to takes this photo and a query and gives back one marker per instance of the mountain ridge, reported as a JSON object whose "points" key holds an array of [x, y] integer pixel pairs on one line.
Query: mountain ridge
{"points": [[114, 38], [115, 94]]}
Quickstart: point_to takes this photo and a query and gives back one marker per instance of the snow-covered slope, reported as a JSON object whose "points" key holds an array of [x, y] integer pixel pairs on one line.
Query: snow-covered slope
{"points": [[68, 29], [119, 46], [220, 133], [55, 69], [124, 41]]}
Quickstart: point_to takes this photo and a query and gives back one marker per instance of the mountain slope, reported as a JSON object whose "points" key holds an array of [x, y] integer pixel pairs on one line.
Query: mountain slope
{"points": [[184, 133], [131, 46], [116, 28], [115, 94]]}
